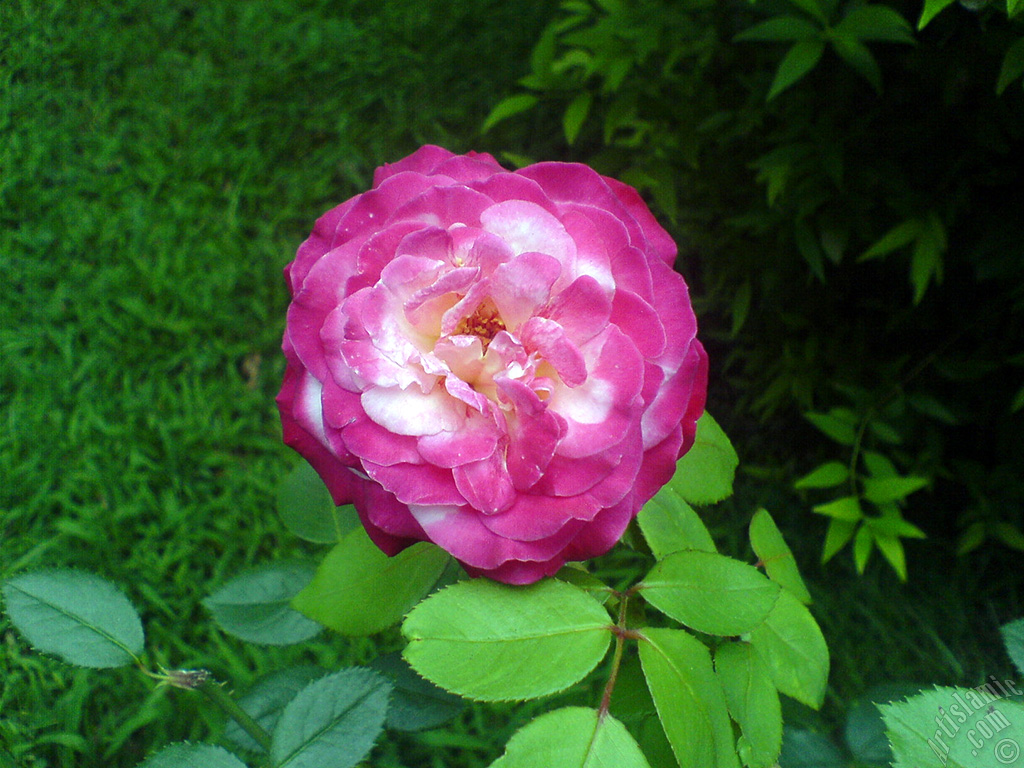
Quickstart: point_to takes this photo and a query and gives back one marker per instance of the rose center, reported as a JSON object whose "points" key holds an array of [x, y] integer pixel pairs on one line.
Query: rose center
{"points": [[484, 323]]}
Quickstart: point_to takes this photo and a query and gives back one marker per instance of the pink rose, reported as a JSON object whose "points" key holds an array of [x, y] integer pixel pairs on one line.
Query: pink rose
{"points": [[502, 363]]}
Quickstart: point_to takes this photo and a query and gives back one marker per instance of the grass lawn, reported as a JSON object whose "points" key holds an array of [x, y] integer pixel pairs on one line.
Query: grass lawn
{"points": [[159, 164]]}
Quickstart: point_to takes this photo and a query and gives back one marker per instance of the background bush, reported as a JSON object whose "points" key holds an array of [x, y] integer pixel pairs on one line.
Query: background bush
{"points": [[848, 190]]}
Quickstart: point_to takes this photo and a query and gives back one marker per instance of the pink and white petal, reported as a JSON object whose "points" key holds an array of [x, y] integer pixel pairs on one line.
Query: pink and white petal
{"points": [[477, 440], [485, 484], [527, 227], [660, 242], [534, 433], [412, 412], [592, 256], [465, 307], [469, 168], [444, 206], [631, 268], [317, 244], [389, 523], [415, 483], [574, 184], [426, 307], [479, 248], [672, 303], [538, 517], [378, 251], [680, 399], [522, 286], [375, 209], [582, 309], [548, 339], [462, 532], [519, 572], [658, 466], [372, 443], [424, 160], [502, 187], [603, 532], [640, 322], [602, 409]]}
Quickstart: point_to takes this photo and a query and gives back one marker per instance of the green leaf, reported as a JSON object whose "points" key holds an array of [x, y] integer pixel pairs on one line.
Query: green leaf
{"points": [[753, 703], [575, 115], [863, 545], [839, 424], [507, 107], [971, 538], [880, 490], [709, 592], [670, 524], [926, 258], [894, 525], [954, 728], [1013, 639], [332, 721], [839, 534], [690, 701], [306, 508], [897, 237], [828, 475], [768, 544], [77, 616], [1013, 7], [572, 737], [358, 590], [266, 700], [876, 22], [256, 605], [779, 29], [495, 642], [847, 508], [416, 704], [185, 755], [815, 8], [892, 549], [1009, 534], [859, 56], [798, 61], [931, 8], [1012, 67], [791, 644], [705, 473]]}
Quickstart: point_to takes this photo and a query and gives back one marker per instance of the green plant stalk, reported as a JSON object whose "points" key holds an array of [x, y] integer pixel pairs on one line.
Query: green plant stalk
{"points": [[216, 693]]}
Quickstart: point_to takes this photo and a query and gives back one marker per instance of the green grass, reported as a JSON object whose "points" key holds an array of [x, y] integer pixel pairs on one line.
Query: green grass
{"points": [[159, 164]]}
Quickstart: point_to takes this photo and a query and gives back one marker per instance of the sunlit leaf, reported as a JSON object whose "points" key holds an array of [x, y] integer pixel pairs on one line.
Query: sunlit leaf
{"points": [[847, 508], [776, 556], [689, 698], [838, 535], [704, 475], [575, 115], [491, 641], [358, 590], [670, 524], [882, 489], [709, 592], [753, 703], [572, 737], [791, 644]]}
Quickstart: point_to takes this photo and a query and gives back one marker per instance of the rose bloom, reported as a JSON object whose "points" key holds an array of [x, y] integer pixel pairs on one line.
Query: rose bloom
{"points": [[502, 363]]}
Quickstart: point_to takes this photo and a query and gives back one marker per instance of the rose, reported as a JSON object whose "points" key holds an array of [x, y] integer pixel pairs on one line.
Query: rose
{"points": [[502, 363]]}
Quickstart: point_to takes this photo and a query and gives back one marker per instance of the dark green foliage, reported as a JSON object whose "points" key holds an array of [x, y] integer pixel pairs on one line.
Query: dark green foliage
{"points": [[848, 194]]}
